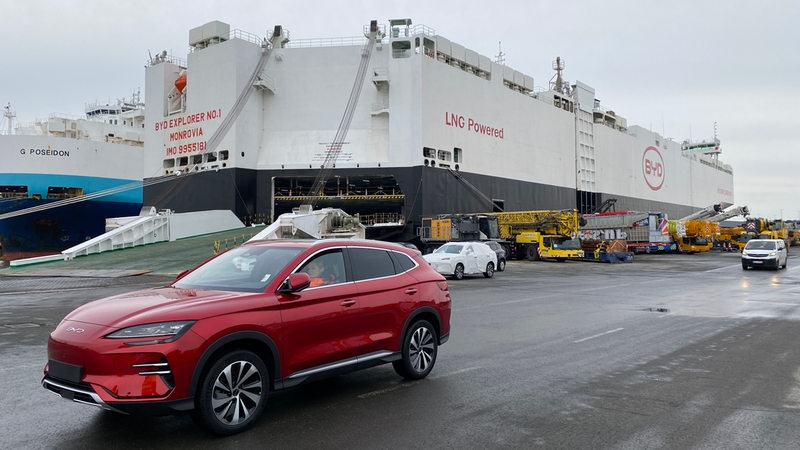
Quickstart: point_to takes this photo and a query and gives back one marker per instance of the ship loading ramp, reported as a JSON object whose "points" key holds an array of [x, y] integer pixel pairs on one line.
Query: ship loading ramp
{"points": [[148, 227], [306, 223]]}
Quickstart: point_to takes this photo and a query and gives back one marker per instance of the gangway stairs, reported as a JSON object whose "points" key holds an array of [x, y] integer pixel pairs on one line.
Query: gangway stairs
{"points": [[148, 228]]}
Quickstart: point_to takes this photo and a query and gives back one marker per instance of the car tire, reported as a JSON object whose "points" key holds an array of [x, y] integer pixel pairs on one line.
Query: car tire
{"points": [[419, 350], [501, 265], [744, 266], [233, 393], [459, 272], [532, 253], [489, 270]]}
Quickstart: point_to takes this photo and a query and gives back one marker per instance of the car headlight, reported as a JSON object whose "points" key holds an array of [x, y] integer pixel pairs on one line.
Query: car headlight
{"points": [[161, 332], [773, 254]]}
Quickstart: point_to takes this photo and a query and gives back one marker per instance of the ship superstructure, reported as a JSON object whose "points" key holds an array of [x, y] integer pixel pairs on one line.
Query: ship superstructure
{"points": [[438, 128]]}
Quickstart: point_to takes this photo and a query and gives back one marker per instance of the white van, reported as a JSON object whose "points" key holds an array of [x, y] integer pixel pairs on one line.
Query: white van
{"points": [[765, 253]]}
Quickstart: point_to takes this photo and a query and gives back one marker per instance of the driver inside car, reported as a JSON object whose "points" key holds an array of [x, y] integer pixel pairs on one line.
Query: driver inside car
{"points": [[319, 274]]}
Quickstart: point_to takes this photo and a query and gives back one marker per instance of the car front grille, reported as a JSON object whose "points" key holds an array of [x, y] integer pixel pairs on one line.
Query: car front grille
{"points": [[79, 393]]}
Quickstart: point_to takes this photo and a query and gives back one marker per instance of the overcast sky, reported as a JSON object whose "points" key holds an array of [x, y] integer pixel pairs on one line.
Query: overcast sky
{"points": [[677, 67]]}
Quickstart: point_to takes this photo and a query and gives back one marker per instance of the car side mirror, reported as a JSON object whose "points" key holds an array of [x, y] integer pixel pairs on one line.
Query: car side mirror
{"points": [[182, 274], [295, 282]]}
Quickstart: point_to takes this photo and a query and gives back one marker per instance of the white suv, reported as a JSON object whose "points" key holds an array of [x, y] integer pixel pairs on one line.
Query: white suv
{"points": [[765, 253]]}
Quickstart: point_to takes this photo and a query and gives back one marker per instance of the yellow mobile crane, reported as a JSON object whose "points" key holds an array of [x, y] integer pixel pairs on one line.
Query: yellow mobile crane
{"points": [[696, 232], [533, 235]]}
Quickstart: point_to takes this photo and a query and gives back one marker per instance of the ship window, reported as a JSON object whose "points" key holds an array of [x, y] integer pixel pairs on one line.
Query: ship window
{"points": [[183, 161], [211, 157], [401, 49], [58, 192], [445, 155], [169, 163], [428, 152], [456, 154], [197, 159], [223, 155], [428, 47], [13, 191]]}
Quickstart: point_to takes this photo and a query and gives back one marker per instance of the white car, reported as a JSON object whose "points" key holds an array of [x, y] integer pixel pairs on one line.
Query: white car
{"points": [[457, 259], [765, 253]]}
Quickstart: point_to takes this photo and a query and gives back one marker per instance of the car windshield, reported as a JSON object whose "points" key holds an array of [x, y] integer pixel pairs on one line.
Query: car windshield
{"points": [[566, 244], [449, 248], [242, 269], [760, 245]]}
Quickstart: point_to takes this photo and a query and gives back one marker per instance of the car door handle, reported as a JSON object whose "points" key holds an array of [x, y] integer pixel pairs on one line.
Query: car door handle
{"points": [[411, 291], [348, 302]]}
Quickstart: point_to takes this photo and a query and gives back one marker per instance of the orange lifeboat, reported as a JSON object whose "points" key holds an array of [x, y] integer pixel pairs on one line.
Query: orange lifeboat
{"points": [[180, 83]]}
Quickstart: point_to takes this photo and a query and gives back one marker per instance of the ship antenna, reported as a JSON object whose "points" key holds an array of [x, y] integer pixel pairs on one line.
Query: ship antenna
{"points": [[501, 57]]}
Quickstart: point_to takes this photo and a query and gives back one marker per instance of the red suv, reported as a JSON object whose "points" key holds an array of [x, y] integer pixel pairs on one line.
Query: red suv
{"points": [[267, 315]]}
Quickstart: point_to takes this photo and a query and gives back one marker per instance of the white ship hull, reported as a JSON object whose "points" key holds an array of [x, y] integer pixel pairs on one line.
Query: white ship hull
{"points": [[437, 129]]}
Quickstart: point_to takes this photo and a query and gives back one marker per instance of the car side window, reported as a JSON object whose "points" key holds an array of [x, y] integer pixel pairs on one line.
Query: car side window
{"points": [[368, 263], [403, 261], [326, 268]]}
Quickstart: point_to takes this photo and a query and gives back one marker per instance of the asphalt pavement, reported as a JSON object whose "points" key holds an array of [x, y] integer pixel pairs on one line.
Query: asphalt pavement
{"points": [[670, 351]]}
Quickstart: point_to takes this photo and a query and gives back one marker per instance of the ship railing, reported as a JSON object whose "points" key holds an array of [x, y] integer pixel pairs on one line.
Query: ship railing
{"points": [[382, 219], [178, 61], [327, 42], [246, 36]]}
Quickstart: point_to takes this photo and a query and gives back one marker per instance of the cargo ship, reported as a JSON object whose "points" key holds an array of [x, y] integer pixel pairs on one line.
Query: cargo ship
{"points": [[61, 177], [255, 124]]}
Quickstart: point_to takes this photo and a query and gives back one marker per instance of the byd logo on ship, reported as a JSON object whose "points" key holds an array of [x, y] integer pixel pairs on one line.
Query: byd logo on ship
{"points": [[653, 168]]}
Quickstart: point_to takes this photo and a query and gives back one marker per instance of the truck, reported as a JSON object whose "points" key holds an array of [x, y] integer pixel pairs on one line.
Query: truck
{"points": [[792, 225], [532, 235], [442, 228], [757, 228], [773, 229], [729, 237], [696, 232], [543, 234], [643, 232], [693, 236]]}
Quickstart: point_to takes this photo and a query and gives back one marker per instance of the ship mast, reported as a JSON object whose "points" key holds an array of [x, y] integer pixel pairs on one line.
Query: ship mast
{"points": [[558, 66], [9, 115]]}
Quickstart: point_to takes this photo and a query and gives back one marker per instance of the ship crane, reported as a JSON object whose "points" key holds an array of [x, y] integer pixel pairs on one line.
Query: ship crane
{"points": [[733, 212], [707, 212]]}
